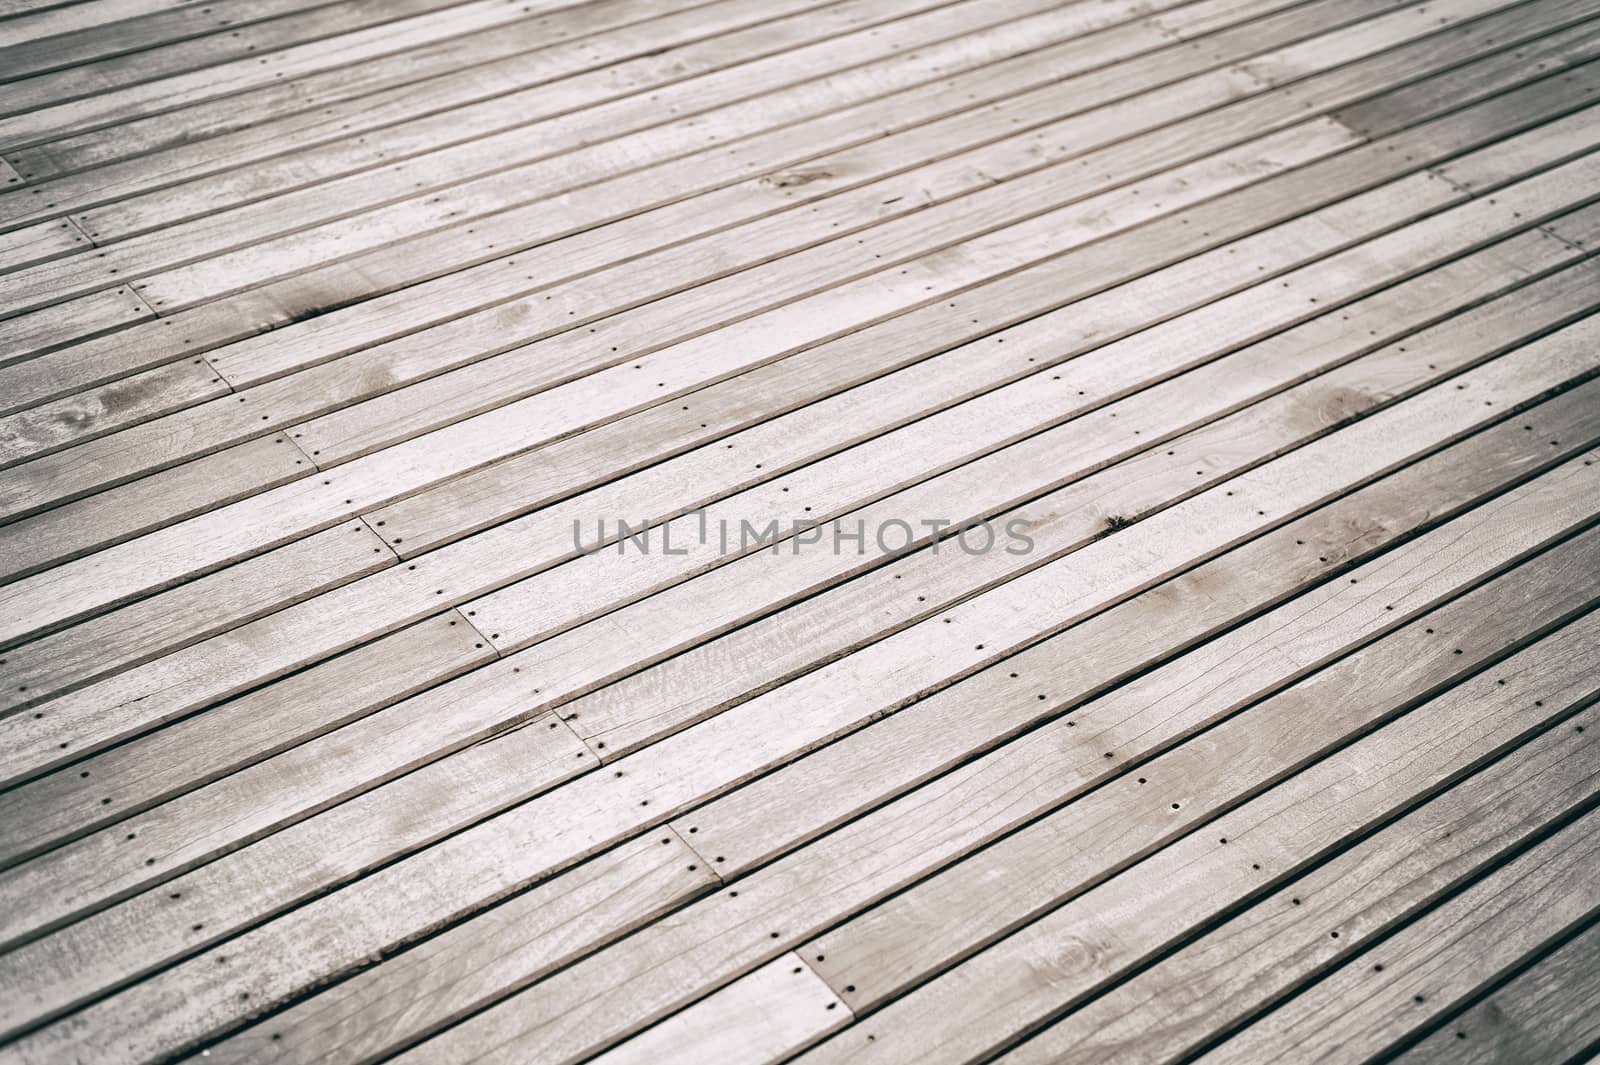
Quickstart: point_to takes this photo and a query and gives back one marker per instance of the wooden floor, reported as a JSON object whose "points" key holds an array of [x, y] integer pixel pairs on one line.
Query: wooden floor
{"points": [[722, 531]]}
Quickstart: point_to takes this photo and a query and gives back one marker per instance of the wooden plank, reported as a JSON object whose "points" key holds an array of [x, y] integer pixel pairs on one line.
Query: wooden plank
{"points": [[398, 363], [51, 426], [880, 955], [986, 484], [532, 839], [231, 271], [1264, 951], [917, 281], [42, 124], [1418, 101], [774, 1011], [97, 857], [604, 105], [442, 63], [144, 708], [191, 612], [678, 949], [67, 532], [40, 243], [1440, 958], [1543, 1014], [305, 304], [205, 38], [530, 934], [133, 777], [30, 336], [1368, 777], [761, 819], [587, 1006]]}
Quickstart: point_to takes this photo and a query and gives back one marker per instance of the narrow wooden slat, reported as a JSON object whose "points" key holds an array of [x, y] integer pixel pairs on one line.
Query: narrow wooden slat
{"points": [[1010, 985], [1120, 821], [133, 101], [67, 532], [679, 950], [1544, 1014], [1439, 958], [40, 242], [769, 1014], [531, 839], [29, 336], [193, 611], [141, 397], [132, 778], [1170, 1006]]}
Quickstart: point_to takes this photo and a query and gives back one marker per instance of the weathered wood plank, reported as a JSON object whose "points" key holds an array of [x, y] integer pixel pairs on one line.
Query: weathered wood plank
{"points": [[61, 423], [1408, 580], [40, 243], [1438, 959], [584, 1007], [42, 124], [67, 532], [922, 280], [1543, 1014], [1209, 985], [1043, 965], [532, 839], [191, 612], [774, 1011]]}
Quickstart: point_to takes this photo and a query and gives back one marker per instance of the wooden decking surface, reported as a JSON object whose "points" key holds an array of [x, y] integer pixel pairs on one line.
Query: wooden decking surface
{"points": [[1260, 332]]}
